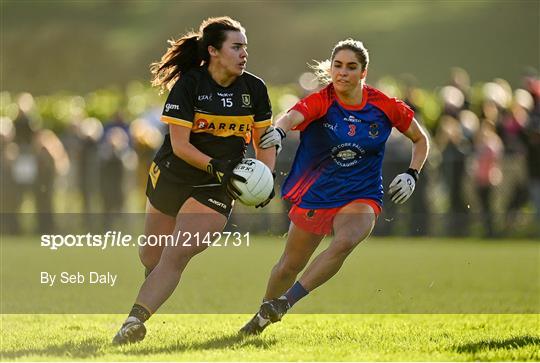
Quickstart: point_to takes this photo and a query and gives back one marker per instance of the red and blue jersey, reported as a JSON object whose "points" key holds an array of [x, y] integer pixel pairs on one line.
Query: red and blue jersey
{"points": [[342, 148]]}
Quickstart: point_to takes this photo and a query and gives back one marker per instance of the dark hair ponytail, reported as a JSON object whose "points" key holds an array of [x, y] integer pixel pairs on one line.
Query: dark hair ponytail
{"points": [[191, 50], [182, 55]]}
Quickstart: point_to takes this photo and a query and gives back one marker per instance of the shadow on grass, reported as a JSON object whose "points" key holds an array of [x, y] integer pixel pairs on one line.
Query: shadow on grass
{"points": [[83, 349], [94, 347], [512, 343], [228, 341]]}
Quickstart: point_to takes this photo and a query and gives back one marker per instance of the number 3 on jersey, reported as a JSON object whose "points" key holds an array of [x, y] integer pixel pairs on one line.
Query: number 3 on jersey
{"points": [[227, 102], [352, 130]]}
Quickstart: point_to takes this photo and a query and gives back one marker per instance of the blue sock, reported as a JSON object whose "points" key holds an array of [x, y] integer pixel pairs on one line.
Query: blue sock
{"points": [[295, 293]]}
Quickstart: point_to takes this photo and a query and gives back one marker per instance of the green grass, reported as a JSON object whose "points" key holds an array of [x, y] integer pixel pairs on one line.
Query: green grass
{"points": [[394, 299], [300, 337]]}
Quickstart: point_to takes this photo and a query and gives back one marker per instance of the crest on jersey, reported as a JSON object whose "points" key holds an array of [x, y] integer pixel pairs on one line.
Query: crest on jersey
{"points": [[246, 100], [373, 130], [347, 154]]}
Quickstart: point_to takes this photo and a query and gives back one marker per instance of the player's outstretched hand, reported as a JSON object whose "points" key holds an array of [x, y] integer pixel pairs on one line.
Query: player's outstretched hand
{"points": [[223, 171], [402, 186], [272, 137]]}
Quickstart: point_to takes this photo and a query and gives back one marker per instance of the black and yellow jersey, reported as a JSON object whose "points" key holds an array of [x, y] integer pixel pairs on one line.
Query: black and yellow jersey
{"points": [[220, 119]]}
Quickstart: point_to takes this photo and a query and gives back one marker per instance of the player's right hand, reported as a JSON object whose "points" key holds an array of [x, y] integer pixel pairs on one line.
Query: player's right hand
{"points": [[223, 171], [402, 186], [272, 137]]}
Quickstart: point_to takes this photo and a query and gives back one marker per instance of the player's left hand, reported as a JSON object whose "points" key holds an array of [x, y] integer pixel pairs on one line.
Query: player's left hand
{"points": [[223, 171], [272, 137], [402, 186]]}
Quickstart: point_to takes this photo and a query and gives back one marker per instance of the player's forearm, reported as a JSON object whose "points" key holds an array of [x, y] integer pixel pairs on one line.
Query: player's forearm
{"points": [[267, 156], [191, 155], [183, 149], [289, 120], [420, 152]]}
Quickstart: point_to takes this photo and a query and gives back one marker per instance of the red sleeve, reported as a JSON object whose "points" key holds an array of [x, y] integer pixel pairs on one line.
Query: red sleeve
{"points": [[313, 107], [397, 111], [401, 114]]}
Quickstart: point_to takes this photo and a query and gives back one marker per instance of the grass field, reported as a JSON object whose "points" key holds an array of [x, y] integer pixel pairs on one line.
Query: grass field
{"points": [[299, 337], [395, 299]]}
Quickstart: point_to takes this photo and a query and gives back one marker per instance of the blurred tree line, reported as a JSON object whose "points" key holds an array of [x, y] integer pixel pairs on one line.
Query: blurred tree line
{"points": [[79, 46]]}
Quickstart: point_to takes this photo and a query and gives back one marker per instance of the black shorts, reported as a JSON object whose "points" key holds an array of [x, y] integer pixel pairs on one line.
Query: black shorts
{"points": [[167, 194]]}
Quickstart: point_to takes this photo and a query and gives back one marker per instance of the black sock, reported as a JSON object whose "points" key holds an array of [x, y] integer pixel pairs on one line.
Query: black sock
{"points": [[140, 312]]}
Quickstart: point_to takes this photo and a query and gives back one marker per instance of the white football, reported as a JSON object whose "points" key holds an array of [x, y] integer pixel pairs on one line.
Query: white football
{"points": [[259, 181]]}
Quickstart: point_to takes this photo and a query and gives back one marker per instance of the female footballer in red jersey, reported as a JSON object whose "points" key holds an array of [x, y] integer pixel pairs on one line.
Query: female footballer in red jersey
{"points": [[335, 183], [213, 109]]}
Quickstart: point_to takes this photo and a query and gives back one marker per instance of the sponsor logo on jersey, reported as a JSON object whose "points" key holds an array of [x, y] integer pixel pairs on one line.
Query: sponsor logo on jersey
{"points": [[347, 154], [201, 124], [373, 130], [205, 97], [171, 106], [330, 126], [219, 204], [225, 94], [351, 118], [246, 100]]}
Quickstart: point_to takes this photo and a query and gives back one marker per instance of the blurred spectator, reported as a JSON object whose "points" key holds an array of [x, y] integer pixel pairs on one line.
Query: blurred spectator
{"points": [[52, 160], [454, 148], [487, 172], [34, 157], [511, 131], [452, 101], [71, 140], [90, 132], [459, 78], [24, 167], [509, 122], [115, 157], [532, 142], [8, 154], [117, 121]]}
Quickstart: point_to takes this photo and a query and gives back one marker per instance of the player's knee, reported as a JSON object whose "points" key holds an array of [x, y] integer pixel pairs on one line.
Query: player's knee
{"points": [[178, 258], [149, 258], [344, 245]]}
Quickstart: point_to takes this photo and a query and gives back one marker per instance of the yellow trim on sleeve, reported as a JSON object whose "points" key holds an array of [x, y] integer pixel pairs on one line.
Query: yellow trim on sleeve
{"points": [[265, 123], [176, 121]]}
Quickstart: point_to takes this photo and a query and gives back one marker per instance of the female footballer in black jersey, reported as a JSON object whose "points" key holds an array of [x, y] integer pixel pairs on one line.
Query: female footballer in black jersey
{"points": [[213, 109]]}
